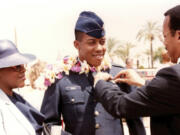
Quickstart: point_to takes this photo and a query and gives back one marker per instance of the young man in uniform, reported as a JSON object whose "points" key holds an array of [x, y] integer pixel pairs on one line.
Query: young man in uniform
{"points": [[73, 96]]}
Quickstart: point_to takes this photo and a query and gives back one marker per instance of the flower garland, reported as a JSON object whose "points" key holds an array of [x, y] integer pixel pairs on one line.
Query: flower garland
{"points": [[54, 71]]}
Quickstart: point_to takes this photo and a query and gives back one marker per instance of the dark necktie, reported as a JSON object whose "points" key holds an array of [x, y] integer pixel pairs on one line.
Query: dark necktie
{"points": [[91, 78]]}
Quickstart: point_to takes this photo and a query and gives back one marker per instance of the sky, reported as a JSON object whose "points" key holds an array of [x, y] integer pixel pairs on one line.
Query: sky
{"points": [[46, 27]]}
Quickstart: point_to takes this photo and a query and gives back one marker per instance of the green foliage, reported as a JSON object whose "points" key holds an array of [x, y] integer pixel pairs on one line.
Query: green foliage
{"points": [[111, 44], [149, 32], [158, 54], [123, 50], [141, 67], [117, 48]]}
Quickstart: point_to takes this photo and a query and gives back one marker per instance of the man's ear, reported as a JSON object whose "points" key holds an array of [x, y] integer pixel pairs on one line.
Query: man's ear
{"points": [[76, 44]]}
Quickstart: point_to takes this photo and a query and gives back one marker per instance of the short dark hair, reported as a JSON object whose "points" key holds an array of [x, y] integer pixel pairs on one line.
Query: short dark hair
{"points": [[78, 35], [174, 23]]}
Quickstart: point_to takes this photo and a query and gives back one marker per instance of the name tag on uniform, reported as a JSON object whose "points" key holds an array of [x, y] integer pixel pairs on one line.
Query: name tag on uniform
{"points": [[73, 88]]}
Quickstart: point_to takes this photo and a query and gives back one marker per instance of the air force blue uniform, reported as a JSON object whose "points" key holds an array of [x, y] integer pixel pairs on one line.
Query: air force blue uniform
{"points": [[73, 96]]}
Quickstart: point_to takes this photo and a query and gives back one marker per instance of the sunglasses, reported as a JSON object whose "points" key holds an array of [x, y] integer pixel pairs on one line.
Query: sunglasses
{"points": [[18, 68]]}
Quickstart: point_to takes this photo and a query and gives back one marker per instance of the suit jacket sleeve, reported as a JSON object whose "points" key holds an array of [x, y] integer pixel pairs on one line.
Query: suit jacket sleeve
{"points": [[161, 96], [51, 107]]}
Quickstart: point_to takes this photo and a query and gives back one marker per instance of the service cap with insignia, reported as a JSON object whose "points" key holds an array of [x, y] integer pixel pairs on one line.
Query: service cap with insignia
{"points": [[91, 24]]}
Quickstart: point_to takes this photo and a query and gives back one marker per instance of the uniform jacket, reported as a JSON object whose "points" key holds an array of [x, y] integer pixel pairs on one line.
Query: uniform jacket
{"points": [[159, 98], [73, 97], [12, 121]]}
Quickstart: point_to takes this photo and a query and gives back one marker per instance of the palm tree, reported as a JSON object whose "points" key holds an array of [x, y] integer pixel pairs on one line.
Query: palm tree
{"points": [[158, 54], [111, 45], [147, 52], [123, 50], [149, 32]]}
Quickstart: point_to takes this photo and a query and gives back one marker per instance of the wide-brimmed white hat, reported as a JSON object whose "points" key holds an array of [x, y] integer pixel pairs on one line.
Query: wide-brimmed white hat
{"points": [[10, 56]]}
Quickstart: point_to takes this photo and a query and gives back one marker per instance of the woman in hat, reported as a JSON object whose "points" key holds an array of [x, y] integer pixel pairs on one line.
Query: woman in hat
{"points": [[17, 117]]}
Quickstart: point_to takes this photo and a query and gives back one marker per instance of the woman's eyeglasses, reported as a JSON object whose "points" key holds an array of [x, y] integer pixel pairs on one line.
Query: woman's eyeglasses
{"points": [[19, 68]]}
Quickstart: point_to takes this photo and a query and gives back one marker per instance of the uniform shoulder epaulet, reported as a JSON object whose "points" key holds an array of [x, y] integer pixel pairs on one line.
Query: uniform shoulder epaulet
{"points": [[117, 65]]}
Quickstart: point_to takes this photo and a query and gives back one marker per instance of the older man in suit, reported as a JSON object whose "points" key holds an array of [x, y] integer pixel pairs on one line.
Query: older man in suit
{"points": [[73, 95], [158, 98]]}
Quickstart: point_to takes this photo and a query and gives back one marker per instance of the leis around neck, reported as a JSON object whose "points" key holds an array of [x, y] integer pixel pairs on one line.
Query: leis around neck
{"points": [[56, 70]]}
